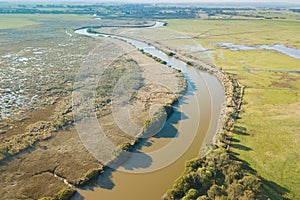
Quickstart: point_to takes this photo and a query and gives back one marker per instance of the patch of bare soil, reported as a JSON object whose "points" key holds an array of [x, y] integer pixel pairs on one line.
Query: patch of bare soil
{"points": [[282, 85]]}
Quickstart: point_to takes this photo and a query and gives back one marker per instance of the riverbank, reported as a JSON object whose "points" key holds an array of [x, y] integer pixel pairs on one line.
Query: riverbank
{"points": [[219, 144], [271, 97], [234, 94], [231, 108], [197, 79], [233, 91]]}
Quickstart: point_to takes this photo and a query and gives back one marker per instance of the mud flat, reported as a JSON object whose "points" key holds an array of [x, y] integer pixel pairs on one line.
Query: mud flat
{"points": [[51, 151]]}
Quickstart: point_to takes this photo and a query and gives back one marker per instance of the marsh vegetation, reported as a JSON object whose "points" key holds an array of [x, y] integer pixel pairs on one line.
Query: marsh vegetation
{"points": [[40, 55]]}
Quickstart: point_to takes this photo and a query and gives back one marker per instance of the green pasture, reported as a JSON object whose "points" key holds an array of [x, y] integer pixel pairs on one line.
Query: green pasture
{"points": [[267, 132]]}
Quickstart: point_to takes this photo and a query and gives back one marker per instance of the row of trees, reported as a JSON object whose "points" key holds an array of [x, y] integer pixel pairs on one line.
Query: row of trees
{"points": [[118, 10]]}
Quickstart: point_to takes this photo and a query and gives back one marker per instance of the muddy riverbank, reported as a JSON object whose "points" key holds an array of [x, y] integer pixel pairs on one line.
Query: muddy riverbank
{"points": [[201, 108]]}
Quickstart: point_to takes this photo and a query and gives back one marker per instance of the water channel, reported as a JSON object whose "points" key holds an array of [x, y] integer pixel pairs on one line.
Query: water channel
{"points": [[193, 124]]}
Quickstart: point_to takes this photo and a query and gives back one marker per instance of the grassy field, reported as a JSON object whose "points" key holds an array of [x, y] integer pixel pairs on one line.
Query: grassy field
{"points": [[21, 20], [267, 132], [269, 119], [15, 21], [248, 32]]}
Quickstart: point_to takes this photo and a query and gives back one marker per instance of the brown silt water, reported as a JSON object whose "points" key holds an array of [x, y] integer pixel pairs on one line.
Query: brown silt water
{"points": [[162, 157]]}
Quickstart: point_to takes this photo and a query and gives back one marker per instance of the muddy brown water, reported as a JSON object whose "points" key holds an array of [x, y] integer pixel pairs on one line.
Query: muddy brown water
{"points": [[162, 157]]}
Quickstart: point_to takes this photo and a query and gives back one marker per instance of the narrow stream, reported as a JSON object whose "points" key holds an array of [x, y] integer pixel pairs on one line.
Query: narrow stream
{"points": [[292, 52], [192, 125]]}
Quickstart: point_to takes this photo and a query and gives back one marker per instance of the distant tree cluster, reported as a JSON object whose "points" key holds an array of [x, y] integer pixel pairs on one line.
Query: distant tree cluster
{"points": [[119, 10], [295, 10]]}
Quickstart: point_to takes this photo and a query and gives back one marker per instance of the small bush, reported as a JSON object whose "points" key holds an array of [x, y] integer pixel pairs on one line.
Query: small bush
{"points": [[155, 123], [169, 110], [46, 198], [192, 194], [121, 153], [65, 194], [90, 176], [3, 153], [190, 63], [171, 54]]}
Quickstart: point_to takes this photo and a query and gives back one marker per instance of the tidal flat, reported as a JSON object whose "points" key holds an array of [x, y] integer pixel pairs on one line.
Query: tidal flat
{"points": [[41, 152]]}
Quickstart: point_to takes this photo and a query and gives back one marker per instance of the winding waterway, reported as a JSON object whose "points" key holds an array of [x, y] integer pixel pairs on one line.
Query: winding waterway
{"points": [[292, 52], [192, 125]]}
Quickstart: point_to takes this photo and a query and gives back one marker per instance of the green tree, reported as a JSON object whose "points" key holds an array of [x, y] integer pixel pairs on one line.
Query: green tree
{"points": [[192, 194], [215, 191], [235, 191]]}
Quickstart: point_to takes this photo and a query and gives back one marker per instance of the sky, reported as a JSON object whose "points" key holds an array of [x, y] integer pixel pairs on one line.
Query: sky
{"points": [[277, 3], [201, 1], [219, 1], [160, 1]]}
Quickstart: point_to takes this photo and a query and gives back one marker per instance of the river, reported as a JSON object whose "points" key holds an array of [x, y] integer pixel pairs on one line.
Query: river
{"points": [[192, 125]]}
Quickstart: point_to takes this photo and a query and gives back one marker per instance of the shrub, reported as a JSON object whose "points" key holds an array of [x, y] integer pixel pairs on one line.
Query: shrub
{"points": [[65, 194], [121, 153], [250, 182], [90, 176], [125, 146], [190, 63], [90, 30], [215, 191], [163, 62], [203, 197], [3, 152], [155, 123], [171, 54], [192, 194], [192, 165], [235, 191], [169, 110], [46, 198]]}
